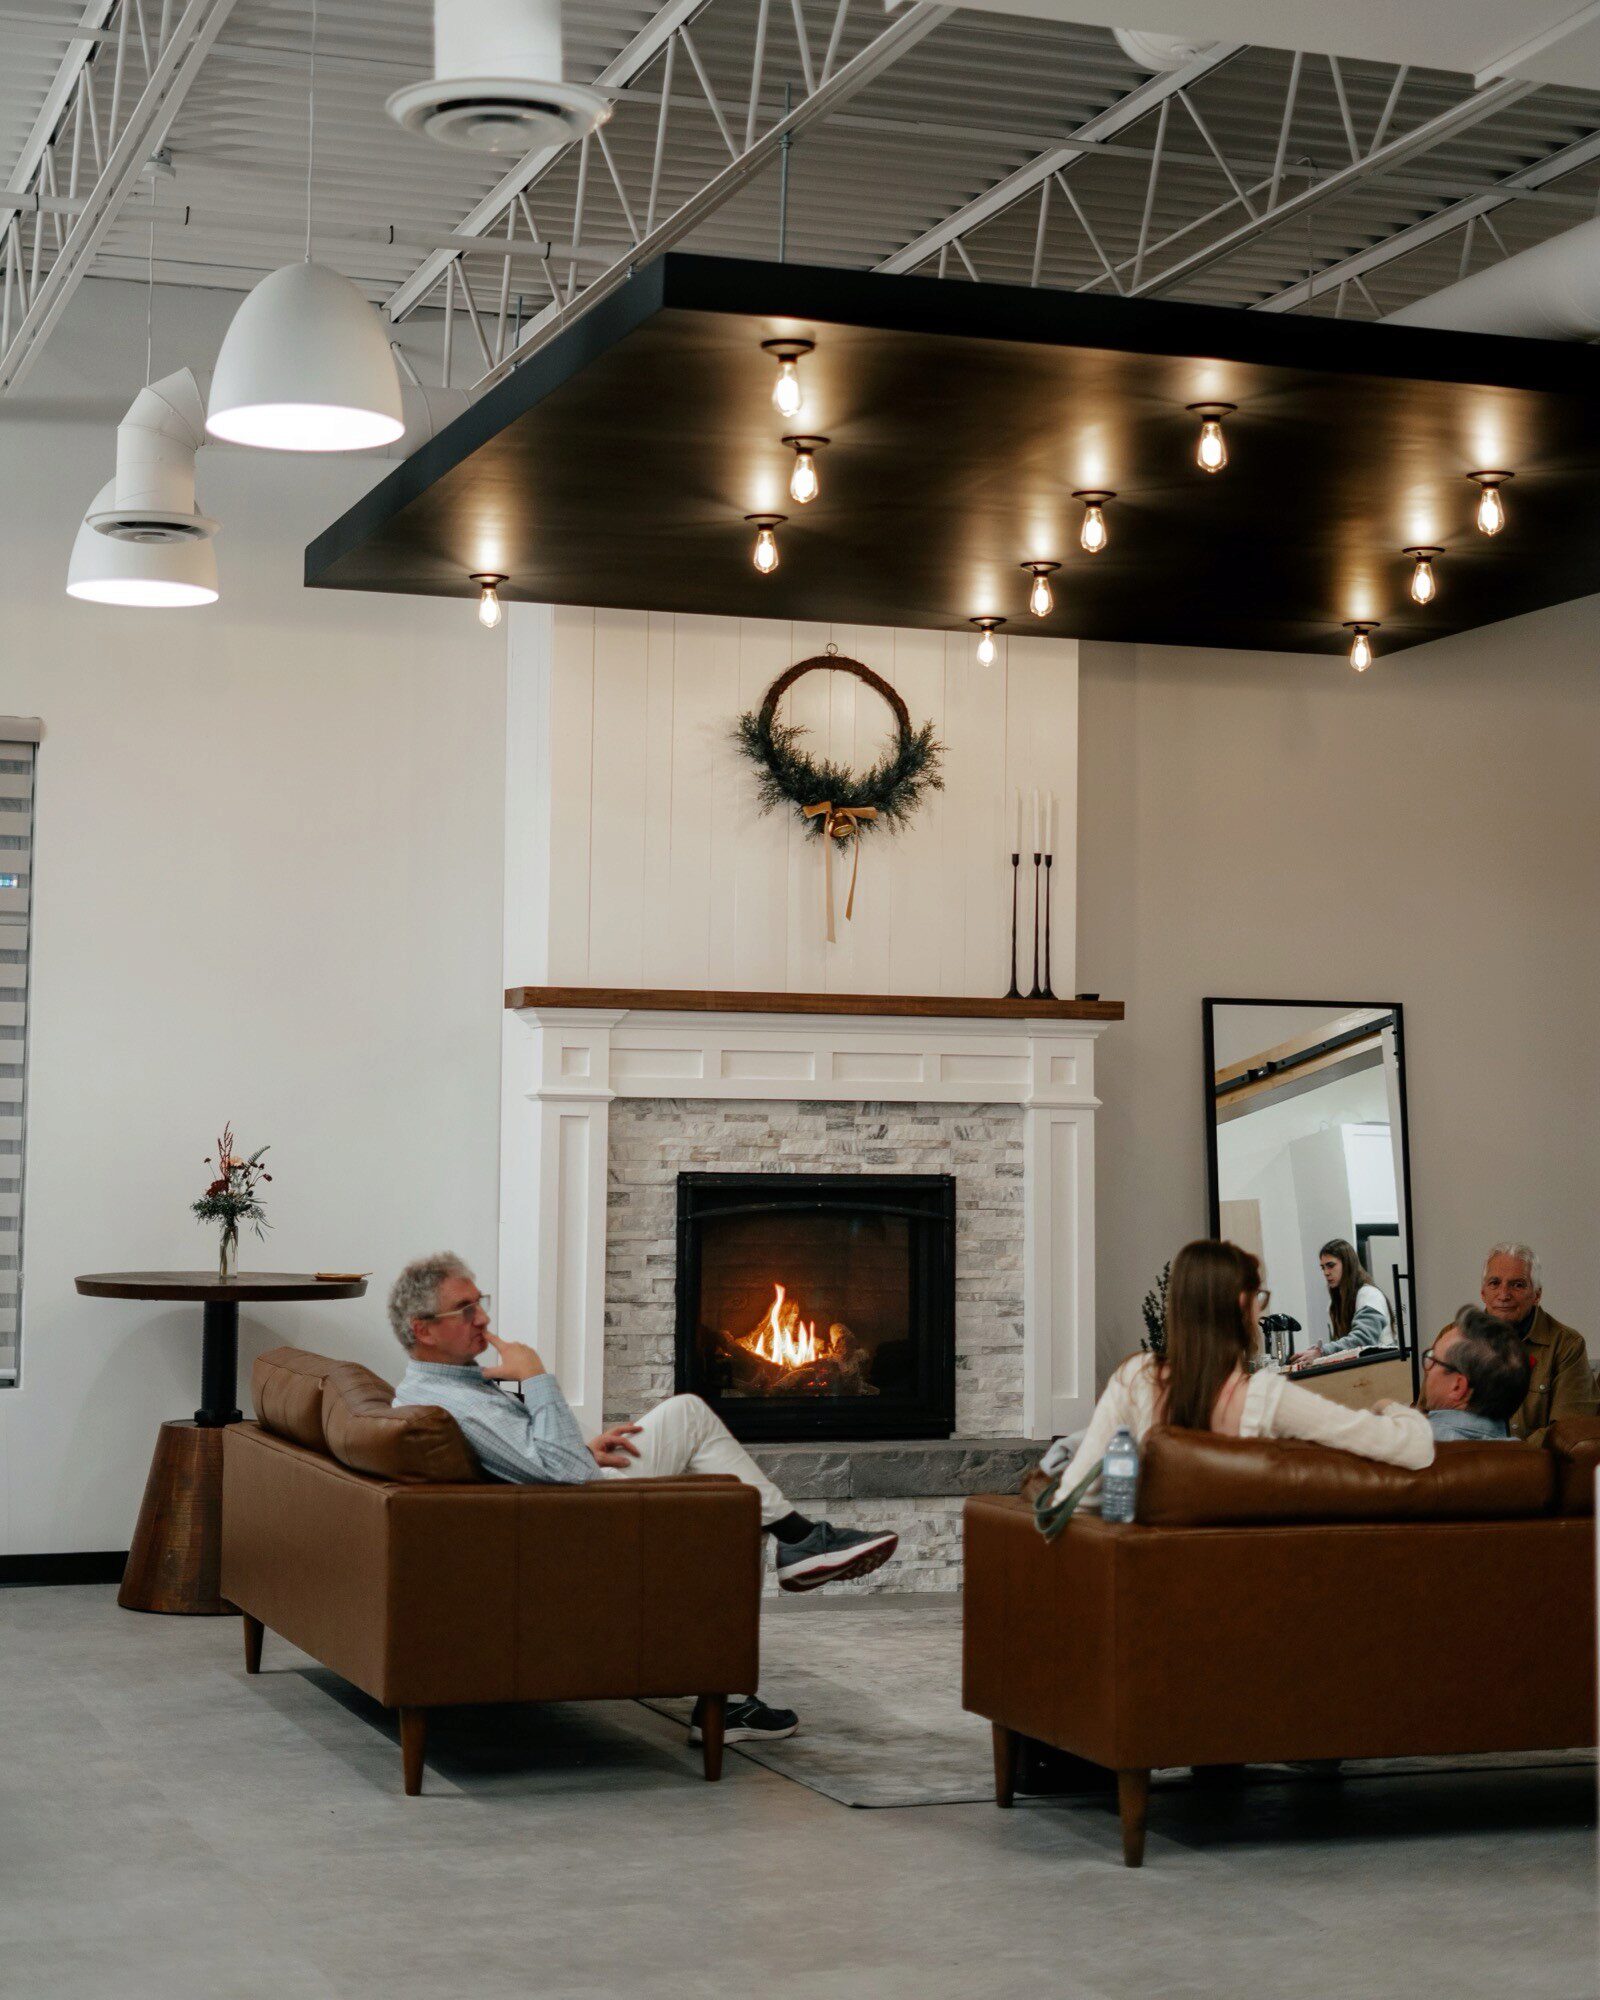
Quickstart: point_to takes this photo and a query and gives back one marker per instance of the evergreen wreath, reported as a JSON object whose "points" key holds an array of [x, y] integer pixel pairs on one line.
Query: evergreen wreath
{"points": [[893, 788]]}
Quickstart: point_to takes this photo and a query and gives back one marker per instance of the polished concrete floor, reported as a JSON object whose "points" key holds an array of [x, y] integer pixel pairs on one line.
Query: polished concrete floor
{"points": [[171, 1829]]}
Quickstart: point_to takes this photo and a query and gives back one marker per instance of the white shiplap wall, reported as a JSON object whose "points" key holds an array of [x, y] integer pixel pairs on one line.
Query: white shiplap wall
{"points": [[621, 770]]}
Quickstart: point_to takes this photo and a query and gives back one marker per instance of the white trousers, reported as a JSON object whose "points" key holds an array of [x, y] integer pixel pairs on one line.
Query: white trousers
{"points": [[683, 1434]]}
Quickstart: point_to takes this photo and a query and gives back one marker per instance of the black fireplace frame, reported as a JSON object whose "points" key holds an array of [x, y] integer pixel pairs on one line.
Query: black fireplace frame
{"points": [[925, 1199]]}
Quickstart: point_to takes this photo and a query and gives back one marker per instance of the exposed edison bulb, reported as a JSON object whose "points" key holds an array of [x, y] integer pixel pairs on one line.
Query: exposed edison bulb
{"points": [[1211, 452], [1041, 598], [766, 557], [804, 485], [986, 631], [1092, 536], [1424, 584], [1361, 647], [786, 397], [1491, 505], [489, 612]]}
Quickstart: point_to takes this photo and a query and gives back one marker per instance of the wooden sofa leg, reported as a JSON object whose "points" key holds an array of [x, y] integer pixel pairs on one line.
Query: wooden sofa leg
{"points": [[413, 1741], [1133, 1797], [1007, 1751], [253, 1629], [713, 1718]]}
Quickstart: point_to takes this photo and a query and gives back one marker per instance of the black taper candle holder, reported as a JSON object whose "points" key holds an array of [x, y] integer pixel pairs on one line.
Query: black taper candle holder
{"points": [[1038, 990], [1049, 990], [1014, 991]]}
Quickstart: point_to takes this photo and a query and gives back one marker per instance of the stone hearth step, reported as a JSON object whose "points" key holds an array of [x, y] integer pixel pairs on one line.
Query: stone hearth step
{"points": [[899, 1468]]}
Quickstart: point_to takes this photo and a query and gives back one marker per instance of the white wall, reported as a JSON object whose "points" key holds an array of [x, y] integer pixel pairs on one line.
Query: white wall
{"points": [[621, 757], [1426, 832], [268, 875]]}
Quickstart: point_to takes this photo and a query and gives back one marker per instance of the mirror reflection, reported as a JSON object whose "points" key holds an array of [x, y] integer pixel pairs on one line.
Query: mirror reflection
{"points": [[1308, 1168]]}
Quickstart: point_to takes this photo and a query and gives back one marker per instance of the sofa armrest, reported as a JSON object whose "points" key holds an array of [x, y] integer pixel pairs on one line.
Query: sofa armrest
{"points": [[1038, 1626]]}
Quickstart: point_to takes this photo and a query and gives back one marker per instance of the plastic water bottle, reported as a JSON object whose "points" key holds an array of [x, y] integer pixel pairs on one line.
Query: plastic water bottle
{"points": [[1119, 1478]]}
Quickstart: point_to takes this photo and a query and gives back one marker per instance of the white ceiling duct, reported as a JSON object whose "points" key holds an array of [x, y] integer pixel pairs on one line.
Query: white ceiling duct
{"points": [[157, 575], [152, 496], [1551, 292], [1160, 54], [498, 84]]}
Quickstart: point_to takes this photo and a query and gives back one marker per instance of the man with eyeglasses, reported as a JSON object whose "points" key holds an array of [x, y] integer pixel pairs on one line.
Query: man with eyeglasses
{"points": [[1474, 1377], [441, 1319], [1561, 1378]]}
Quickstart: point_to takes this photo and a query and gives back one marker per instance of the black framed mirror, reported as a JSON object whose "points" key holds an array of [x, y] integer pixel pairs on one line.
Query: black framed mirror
{"points": [[1309, 1161]]}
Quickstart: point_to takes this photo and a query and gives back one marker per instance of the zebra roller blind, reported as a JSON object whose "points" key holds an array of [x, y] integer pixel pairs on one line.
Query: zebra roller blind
{"points": [[19, 743]]}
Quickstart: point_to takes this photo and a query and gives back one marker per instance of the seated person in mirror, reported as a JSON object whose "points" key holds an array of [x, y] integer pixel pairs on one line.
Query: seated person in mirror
{"points": [[1562, 1381], [1474, 1377], [1205, 1379], [1358, 1313]]}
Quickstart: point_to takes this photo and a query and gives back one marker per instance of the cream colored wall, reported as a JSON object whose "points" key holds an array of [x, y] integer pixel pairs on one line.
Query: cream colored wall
{"points": [[622, 756], [1429, 833], [268, 889]]}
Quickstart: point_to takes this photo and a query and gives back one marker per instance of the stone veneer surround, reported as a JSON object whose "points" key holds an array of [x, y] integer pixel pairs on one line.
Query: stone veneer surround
{"points": [[653, 1140]]}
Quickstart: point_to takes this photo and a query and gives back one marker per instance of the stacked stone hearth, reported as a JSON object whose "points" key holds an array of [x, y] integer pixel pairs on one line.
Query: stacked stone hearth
{"points": [[914, 1487]]}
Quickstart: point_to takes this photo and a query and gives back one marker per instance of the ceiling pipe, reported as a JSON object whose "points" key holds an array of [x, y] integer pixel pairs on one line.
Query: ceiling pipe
{"points": [[152, 497], [1551, 292], [1162, 55], [498, 85]]}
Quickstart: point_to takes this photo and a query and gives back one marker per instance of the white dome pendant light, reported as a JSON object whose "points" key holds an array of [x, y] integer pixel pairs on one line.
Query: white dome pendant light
{"points": [[305, 365]]}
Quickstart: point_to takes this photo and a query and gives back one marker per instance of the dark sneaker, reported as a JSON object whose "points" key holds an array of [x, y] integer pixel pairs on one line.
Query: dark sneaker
{"points": [[749, 1720], [829, 1555]]}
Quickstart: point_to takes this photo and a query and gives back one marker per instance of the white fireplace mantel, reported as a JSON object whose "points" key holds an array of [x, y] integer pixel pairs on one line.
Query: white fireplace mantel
{"points": [[565, 1064]]}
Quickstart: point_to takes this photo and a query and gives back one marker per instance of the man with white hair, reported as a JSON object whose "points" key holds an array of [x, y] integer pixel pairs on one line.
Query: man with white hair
{"points": [[441, 1319], [1561, 1382]]}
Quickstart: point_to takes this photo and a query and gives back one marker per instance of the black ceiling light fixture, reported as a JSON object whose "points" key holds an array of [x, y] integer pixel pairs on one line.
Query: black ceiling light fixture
{"points": [[936, 390]]}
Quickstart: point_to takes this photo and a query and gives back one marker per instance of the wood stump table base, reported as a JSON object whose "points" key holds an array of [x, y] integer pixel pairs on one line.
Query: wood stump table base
{"points": [[175, 1562]]}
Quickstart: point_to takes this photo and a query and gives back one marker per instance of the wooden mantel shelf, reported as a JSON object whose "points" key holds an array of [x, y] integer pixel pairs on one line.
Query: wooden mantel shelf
{"points": [[667, 1000]]}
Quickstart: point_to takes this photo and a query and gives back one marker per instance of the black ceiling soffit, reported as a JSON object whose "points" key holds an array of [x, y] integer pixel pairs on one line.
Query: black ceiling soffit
{"points": [[616, 466]]}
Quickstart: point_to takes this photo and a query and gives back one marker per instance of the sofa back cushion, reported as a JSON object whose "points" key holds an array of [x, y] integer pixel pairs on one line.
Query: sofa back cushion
{"points": [[286, 1390], [366, 1432], [1574, 1443], [1196, 1479]]}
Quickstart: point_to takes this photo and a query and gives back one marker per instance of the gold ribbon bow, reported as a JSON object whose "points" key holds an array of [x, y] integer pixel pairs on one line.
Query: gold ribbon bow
{"points": [[839, 823]]}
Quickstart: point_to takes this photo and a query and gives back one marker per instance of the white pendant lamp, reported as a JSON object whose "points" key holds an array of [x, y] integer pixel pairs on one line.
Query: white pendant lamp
{"points": [[153, 575], [305, 365]]}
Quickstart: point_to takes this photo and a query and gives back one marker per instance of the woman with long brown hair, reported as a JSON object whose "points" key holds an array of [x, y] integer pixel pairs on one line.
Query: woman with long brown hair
{"points": [[1358, 1313], [1205, 1379]]}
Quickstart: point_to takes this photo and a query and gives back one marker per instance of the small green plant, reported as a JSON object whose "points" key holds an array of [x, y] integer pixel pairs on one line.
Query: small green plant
{"points": [[1154, 1310]]}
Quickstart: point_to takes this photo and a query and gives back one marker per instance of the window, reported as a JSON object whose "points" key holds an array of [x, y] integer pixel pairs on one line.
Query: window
{"points": [[19, 740]]}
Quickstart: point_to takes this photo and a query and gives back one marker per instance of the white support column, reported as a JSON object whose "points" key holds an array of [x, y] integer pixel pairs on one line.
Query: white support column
{"points": [[555, 1133], [1058, 1390]]}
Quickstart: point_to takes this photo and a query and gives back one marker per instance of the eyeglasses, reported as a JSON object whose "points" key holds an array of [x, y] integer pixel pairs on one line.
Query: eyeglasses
{"points": [[1432, 1360], [468, 1306], [1263, 1300]]}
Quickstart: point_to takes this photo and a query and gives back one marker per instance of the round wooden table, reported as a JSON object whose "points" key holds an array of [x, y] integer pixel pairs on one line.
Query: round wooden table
{"points": [[174, 1559]]}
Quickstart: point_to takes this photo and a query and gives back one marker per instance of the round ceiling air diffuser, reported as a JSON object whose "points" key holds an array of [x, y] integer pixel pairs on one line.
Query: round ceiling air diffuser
{"points": [[497, 85]]}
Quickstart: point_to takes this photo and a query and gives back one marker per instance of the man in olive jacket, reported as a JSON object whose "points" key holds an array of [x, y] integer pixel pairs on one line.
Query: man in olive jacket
{"points": [[1562, 1382]]}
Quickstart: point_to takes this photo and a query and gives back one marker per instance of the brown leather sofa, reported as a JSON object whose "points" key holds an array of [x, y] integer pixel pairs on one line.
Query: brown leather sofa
{"points": [[368, 1537], [1276, 1600]]}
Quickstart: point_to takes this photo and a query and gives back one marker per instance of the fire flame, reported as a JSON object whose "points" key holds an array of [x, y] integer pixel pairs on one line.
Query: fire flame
{"points": [[783, 1338]]}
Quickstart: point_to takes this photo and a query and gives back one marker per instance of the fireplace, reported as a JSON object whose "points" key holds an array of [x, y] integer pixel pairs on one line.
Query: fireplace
{"points": [[819, 1305]]}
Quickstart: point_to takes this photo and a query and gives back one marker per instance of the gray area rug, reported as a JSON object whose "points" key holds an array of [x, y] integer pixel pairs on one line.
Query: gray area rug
{"points": [[876, 1681]]}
